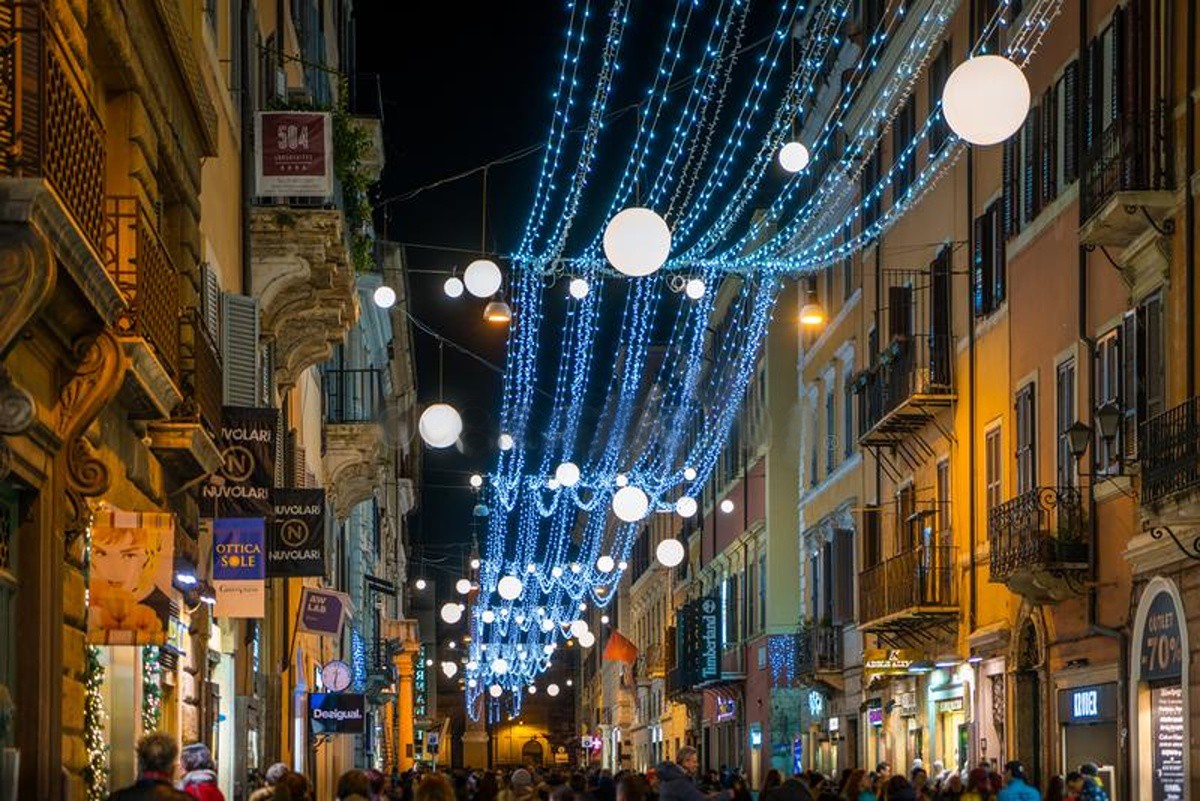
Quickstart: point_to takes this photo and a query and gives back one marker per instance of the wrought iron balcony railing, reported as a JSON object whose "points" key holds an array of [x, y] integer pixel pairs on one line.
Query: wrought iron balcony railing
{"points": [[1038, 530], [912, 582], [1169, 450], [141, 267], [818, 649], [353, 396], [1132, 154], [911, 371], [201, 367], [48, 126]]}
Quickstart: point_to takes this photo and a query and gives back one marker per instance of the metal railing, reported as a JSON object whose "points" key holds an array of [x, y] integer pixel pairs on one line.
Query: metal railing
{"points": [[353, 396], [918, 365], [818, 649], [138, 262], [922, 577], [1169, 449], [48, 125], [201, 368], [1040, 527], [1132, 153]]}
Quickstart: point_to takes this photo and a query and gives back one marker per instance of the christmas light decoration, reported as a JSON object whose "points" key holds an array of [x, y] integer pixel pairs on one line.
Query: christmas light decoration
{"points": [[151, 689], [686, 506], [95, 772], [637, 242], [462, 586], [630, 504], [451, 613]]}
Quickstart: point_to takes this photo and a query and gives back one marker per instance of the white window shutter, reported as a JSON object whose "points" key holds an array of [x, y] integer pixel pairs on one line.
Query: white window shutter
{"points": [[210, 300], [239, 346]]}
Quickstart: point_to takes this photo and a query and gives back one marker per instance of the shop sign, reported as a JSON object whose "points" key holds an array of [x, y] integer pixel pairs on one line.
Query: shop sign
{"points": [[337, 713], [242, 486], [726, 709], [698, 641], [1160, 652], [293, 153], [887, 662], [322, 611], [1094, 703], [950, 705], [835, 724], [875, 712], [238, 567], [1167, 743], [816, 703], [908, 704], [756, 736], [709, 661], [297, 546]]}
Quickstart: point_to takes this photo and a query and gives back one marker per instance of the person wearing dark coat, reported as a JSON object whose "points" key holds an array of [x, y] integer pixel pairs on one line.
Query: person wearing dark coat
{"points": [[156, 754], [676, 782]]}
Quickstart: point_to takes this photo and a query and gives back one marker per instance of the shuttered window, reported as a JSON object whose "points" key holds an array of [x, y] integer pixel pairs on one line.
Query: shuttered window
{"points": [[1067, 95], [1048, 143], [939, 71], [989, 271], [1143, 368], [210, 301], [1031, 167], [1010, 178], [1026, 452], [903, 127], [868, 189], [993, 469], [843, 575], [872, 536], [1107, 378], [240, 349]]}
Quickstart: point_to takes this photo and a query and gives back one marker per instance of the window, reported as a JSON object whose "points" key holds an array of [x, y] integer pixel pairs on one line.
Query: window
{"points": [[847, 267], [943, 501], [906, 518], [1026, 420], [872, 536], [1064, 418], [762, 592], [830, 426], [827, 582], [993, 464], [905, 164], [989, 269], [1108, 390], [1144, 366], [939, 71], [843, 575], [869, 189], [813, 593], [847, 412], [814, 440]]}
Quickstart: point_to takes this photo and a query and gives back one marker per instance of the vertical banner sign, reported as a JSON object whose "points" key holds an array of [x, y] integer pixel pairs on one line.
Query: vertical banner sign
{"points": [[242, 487], [293, 154], [129, 585], [297, 543], [708, 661], [1167, 743], [322, 612], [239, 566]]}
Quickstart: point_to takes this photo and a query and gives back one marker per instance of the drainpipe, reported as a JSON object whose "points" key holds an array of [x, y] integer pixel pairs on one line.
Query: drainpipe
{"points": [[1123, 716], [1189, 200], [972, 533], [245, 88]]}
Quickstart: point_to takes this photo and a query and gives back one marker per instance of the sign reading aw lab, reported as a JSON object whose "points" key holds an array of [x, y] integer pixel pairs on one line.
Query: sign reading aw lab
{"points": [[322, 612], [239, 566]]}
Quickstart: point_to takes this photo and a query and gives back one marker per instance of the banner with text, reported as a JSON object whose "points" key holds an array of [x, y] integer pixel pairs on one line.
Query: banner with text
{"points": [[337, 713], [242, 487], [293, 153], [129, 585], [322, 612], [239, 567], [297, 546]]}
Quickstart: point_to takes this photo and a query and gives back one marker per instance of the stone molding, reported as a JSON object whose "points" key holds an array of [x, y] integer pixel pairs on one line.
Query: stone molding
{"points": [[354, 464]]}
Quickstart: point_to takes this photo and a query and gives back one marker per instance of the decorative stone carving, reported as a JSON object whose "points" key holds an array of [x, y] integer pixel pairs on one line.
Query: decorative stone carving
{"points": [[354, 464], [305, 284]]}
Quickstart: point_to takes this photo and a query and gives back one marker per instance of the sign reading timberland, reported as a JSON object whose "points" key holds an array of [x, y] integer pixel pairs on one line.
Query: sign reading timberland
{"points": [[337, 713], [297, 546], [293, 153], [242, 487], [698, 641]]}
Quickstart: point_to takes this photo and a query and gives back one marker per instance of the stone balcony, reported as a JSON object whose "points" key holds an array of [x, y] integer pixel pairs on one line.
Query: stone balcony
{"points": [[304, 282], [354, 453]]}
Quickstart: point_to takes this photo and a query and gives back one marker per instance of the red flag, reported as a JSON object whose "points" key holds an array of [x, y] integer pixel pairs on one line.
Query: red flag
{"points": [[620, 649]]}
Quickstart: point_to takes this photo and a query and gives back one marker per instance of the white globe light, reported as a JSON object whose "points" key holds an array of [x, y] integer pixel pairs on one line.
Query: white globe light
{"points": [[488, 616], [440, 425], [570, 682], [506, 442], [622, 480], [686, 506], [384, 297], [531, 568], [451, 613], [587, 639], [548, 649], [533, 689], [986, 99], [450, 669], [547, 624], [552, 690], [579, 628], [793, 157], [482, 278], [630, 504], [472, 664], [476, 480], [472, 683], [637, 242], [727, 506], [578, 288], [556, 571], [420, 584], [669, 552], [499, 666], [689, 473], [567, 474], [495, 691], [604, 619], [553, 484], [575, 567], [474, 564], [582, 606], [622, 565], [509, 588], [605, 564], [453, 287], [694, 288], [463, 586]]}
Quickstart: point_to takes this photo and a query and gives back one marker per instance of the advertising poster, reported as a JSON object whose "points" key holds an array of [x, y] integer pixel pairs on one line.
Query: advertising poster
{"points": [[293, 153], [129, 586], [322, 612], [238, 566], [337, 713], [242, 487], [297, 543]]}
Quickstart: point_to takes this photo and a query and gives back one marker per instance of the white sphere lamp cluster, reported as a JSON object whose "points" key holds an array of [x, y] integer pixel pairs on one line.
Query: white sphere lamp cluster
{"points": [[670, 552], [637, 242]]}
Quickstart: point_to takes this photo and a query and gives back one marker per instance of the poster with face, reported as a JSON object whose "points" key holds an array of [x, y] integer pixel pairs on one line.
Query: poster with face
{"points": [[129, 588]]}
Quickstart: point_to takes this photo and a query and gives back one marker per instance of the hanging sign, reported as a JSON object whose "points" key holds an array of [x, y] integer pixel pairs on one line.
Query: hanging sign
{"points": [[129, 585], [239, 567], [1160, 651], [1167, 743], [293, 153], [322, 612], [242, 487], [297, 546], [337, 713], [1094, 703], [708, 657]]}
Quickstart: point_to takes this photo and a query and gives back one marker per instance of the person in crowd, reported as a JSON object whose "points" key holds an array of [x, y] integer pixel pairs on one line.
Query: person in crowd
{"points": [[1093, 787], [1074, 783], [522, 785], [273, 775], [883, 771], [857, 787], [156, 753], [353, 785], [772, 780], [740, 790], [676, 780], [632, 787], [199, 773], [487, 788], [920, 784], [978, 786], [434, 787], [899, 788], [1056, 789], [651, 784], [951, 789], [295, 787], [376, 781]]}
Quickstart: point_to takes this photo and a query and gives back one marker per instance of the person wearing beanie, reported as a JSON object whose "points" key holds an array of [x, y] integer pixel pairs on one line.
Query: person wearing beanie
{"points": [[522, 784], [274, 776], [1093, 787], [200, 773]]}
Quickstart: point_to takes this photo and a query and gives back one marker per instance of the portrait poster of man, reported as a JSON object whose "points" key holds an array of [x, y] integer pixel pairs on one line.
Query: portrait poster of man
{"points": [[129, 588]]}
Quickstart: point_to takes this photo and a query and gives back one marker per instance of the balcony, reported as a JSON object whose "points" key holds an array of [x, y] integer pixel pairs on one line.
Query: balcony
{"points": [[819, 654], [52, 149], [1125, 185], [900, 394], [907, 598], [1039, 543], [138, 262], [1169, 449], [353, 451]]}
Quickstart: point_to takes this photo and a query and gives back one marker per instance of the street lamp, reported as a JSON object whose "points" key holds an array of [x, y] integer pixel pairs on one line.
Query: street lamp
{"points": [[1108, 420]]}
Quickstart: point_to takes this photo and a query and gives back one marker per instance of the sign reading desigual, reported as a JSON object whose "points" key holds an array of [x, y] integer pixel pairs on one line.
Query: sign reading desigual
{"points": [[337, 713]]}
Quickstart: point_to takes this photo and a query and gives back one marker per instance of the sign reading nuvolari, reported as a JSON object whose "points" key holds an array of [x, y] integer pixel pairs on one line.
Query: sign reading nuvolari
{"points": [[337, 713], [242, 487], [297, 546]]}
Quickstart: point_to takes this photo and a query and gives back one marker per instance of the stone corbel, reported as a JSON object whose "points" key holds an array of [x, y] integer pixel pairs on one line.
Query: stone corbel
{"points": [[100, 369]]}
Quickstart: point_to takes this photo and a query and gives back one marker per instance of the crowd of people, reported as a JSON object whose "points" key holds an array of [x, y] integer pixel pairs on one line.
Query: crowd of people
{"points": [[678, 780]]}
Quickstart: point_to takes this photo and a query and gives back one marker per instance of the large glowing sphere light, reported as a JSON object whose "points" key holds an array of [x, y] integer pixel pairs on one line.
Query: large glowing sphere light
{"points": [[727, 506], [440, 425], [552, 690], [567, 474], [578, 288], [689, 474], [986, 99], [499, 666], [686, 506], [630, 504], [587, 639], [637, 242], [509, 588], [669, 552], [694, 288], [463, 586], [579, 628], [793, 157], [495, 691], [450, 669], [605, 564], [384, 297], [488, 616], [482, 278], [451, 613]]}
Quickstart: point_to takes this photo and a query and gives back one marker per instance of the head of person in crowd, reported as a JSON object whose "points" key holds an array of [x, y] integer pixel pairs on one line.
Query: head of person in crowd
{"points": [[276, 772], [434, 787], [353, 784], [919, 778], [883, 771], [773, 779], [688, 758], [898, 788], [631, 787], [156, 754], [977, 781]]}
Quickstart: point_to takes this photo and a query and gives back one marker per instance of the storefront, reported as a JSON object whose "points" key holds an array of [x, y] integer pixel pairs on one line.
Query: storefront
{"points": [[949, 690], [1158, 693], [1087, 716]]}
